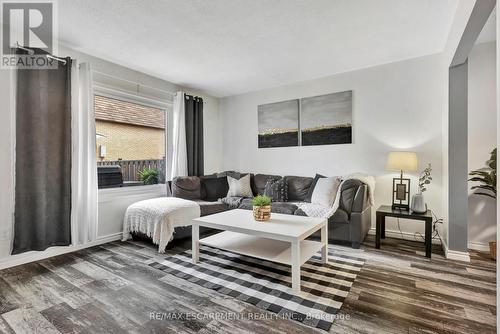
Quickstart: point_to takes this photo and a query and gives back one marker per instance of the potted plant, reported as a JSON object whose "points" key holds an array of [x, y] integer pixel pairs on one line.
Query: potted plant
{"points": [[149, 176], [417, 203], [262, 208], [487, 177]]}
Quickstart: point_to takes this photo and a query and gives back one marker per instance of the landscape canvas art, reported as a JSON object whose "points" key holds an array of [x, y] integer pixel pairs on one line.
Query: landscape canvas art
{"points": [[279, 124], [326, 119]]}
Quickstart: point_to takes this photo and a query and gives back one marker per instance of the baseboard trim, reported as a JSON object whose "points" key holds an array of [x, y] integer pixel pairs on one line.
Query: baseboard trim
{"points": [[479, 246], [28, 257], [406, 236], [455, 255]]}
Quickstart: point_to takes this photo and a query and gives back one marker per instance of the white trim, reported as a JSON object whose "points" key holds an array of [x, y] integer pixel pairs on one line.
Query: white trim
{"points": [[479, 246], [99, 73], [16, 260], [406, 236], [133, 97], [109, 194], [455, 255]]}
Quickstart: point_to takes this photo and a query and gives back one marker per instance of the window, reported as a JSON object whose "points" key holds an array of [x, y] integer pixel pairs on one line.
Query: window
{"points": [[130, 142]]}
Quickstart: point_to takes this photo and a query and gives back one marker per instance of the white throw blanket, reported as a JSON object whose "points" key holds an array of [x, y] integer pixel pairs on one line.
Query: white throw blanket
{"points": [[321, 211], [158, 217]]}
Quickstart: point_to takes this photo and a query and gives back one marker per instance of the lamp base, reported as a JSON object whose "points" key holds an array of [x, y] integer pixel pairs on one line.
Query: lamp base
{"points": [[401, 194], [401, 207]]}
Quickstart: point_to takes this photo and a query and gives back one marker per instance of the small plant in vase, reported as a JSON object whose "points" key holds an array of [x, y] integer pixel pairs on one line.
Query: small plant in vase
{"points": [[418, 204], [262, 208]]}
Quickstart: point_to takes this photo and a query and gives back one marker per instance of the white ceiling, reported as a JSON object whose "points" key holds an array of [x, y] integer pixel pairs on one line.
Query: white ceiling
{"points": [[228, 47]]}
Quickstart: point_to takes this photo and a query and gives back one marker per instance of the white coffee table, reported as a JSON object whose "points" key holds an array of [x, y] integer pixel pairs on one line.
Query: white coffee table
{"points": [[280, 239]]}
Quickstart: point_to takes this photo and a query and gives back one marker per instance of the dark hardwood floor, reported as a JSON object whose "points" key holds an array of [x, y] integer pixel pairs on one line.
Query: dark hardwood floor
{"points": [[111, 289]]}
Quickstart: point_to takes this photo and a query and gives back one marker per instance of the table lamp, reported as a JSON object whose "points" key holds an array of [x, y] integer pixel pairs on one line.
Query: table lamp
{"points": [[402, 162]]}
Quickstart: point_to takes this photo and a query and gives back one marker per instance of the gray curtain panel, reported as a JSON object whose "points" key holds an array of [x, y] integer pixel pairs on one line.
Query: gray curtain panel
{"points": [[43, 159], [194, 135]]}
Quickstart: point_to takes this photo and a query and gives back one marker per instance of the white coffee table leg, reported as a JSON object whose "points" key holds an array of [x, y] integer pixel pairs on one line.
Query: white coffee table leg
{"points": [[195, 237], [296, 266], [324, 241]]}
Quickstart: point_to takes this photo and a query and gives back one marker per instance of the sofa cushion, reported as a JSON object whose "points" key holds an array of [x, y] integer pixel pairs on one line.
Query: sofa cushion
{"points": [[187, 187], [340, 216], [348, 194], [283, 207], [298, 187], [233, 174], [209, 208], [276, 207], [259, 182], [246, 204], [277, 190], [214, 188]]}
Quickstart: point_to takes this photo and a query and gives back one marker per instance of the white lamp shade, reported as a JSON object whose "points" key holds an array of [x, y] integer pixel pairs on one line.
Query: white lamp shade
{"points": [[405, 161]]}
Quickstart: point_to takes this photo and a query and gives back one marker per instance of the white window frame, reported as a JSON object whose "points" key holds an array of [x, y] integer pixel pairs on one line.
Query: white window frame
{"points": [[137, 98]]}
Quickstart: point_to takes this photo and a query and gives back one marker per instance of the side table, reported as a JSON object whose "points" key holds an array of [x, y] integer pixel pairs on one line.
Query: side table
{"points": [[387, 211]]}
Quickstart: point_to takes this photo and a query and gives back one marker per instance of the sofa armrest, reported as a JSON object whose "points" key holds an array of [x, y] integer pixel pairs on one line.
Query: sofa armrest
{"points": [[360, 202], [360, 224], [353, 196]]}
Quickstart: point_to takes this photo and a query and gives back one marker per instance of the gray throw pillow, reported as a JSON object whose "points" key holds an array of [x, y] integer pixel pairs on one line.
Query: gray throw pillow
{"points": [[277, 190], [239, 188], [187, 187]]}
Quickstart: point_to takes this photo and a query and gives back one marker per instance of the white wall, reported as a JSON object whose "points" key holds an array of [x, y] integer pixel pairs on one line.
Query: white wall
{"points": [[482, 139], [113, 202], [395, 107]]}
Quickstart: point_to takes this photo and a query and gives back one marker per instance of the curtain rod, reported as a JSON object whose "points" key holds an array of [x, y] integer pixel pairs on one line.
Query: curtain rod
{"points": [[140, 85], [133, 82], [31, 53]]}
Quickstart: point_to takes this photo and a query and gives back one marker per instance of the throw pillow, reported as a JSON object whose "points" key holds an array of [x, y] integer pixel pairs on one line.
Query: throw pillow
{"points": [[325, 191], [277, 190], [187, 187], [214, 188], [313, 185], [239, 188]]}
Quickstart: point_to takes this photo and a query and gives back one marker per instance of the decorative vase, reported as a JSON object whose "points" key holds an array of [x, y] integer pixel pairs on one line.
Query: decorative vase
{"points": [[262, 213], [418, 204]]}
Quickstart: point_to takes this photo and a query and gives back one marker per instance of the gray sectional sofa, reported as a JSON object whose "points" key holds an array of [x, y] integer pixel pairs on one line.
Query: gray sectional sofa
{"points": [[349, 224]]}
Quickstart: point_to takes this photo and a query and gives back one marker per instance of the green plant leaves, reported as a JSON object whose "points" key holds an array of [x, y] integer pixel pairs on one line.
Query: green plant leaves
{"points": [[261, 200], [149, 175], [487, 176], [425, 178]]}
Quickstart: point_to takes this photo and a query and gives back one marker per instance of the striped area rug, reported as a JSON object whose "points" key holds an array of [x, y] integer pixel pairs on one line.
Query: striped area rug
{"points": [[267, 285]]}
